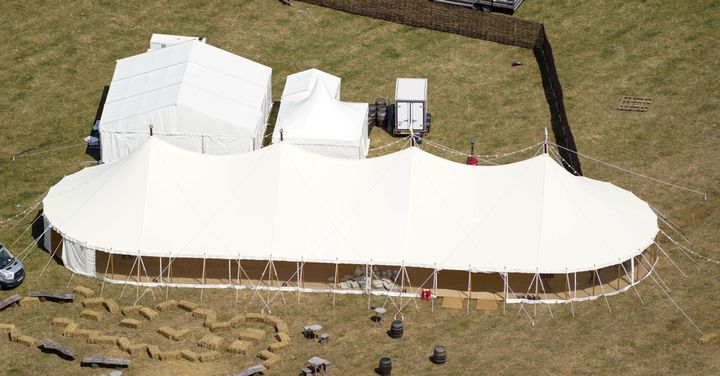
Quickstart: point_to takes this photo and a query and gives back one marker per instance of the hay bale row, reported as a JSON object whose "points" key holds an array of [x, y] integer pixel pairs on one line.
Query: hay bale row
{"points": [[211, 342], [29, 301], [154, 351], [274, 321], [237, 321], [91, 315], [137, 349], [187, 306], [102, 340], [27, 341], [123, 343], [239, 347], [251, 334], [209, 356], [170, 355], [84, 291], [164, 306], [270, 363], [130, 310], [14, 334], [6, 328], [110, 305], [220, 326], [203, 313], [174, 334], [84, 333], [61, 322], [277, 346], [93, 303], [69, 329], [190, 356], [149, 313], [130, 323]]}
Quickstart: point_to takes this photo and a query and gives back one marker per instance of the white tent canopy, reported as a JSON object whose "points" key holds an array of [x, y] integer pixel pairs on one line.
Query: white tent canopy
{"points": [[194, 95], [317, 121], [408, 208], [299, 85]]}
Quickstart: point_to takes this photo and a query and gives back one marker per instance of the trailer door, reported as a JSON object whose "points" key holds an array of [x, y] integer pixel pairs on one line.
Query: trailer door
{"points": [[418, 116], [403, 116]]}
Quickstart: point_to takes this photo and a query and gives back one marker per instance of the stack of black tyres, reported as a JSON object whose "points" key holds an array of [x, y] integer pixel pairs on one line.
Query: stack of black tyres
{"points": [[372, 116], [381, 112]]}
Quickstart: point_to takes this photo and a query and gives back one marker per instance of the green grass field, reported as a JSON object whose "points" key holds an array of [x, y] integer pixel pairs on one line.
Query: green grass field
{"points": [[57, 56]]}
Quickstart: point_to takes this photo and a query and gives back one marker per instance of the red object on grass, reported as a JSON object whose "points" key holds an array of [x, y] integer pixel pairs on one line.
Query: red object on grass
{"points": [[472, 160]]}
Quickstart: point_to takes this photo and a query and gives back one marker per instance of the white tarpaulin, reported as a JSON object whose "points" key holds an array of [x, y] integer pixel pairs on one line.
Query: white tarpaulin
{"points": [[194, 95], [406, 208], [316, 120], [78, 259]]}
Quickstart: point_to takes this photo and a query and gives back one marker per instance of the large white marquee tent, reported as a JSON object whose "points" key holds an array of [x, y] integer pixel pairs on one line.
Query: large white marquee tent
{"points": [[193, 95], [408, 210], [312, 116]]}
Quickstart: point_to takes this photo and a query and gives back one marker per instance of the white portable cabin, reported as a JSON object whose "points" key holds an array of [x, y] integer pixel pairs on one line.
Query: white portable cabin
{"points": [[158, 41], [411, 106], [191, 94]]}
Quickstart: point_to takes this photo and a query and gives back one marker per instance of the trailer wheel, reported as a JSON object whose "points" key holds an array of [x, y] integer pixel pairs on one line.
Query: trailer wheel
{"points": [[428, 122], [390, 119]]}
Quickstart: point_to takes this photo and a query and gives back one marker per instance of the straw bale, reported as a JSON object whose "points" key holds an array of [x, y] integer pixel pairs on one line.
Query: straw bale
{"points": [[84, 291], [209, 356], [239, 347], [211, 341], [91, 315]]}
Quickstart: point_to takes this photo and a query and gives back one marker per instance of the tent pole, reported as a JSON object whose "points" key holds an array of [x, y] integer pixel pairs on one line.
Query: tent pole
{"points": [[467, 306], [169, 273], [368, 281], [105, 279], [575, 282], [432, 298], [202, 288], [161, 270], [50, 259], [593, 283], [506, 287], [632, 270], [127, 279], [237, 289], [271, 267], [112, 266], [618, 276], [634, 288], [335, 283], [297, 271], [137, 285], [402, 282], [230, 274], [537, 279], [603, 291], [567, 280]]}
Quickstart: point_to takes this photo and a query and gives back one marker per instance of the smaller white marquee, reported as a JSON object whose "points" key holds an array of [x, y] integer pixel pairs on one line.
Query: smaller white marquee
{"points": [[313, 117]]}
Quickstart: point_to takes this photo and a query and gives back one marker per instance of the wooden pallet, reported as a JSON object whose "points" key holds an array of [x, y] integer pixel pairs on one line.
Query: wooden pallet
{"points": [[637, 104]]}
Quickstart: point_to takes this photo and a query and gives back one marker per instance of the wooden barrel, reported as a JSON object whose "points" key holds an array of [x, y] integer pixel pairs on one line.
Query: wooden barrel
{"points": [[385, 366], [380, 102], [439, 355], [396, 329]]}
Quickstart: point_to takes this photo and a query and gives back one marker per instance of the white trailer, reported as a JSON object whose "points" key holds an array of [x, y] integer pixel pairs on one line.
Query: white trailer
{"points": [[409, 114]]}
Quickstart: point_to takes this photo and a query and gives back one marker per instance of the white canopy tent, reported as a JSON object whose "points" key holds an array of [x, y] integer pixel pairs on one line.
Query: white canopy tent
{"points": [[316, 120], [409, 209], [193, 95], [300, 85]]}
